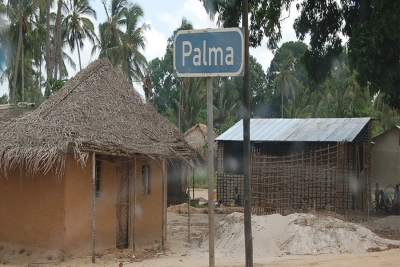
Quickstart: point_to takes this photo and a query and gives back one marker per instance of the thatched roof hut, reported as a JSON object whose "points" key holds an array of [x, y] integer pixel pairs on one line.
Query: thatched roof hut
{"points": [[96, 111], [197, 139]]}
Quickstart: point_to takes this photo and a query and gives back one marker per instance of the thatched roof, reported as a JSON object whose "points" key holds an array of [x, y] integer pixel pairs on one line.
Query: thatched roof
{"points": [[97, 110], [197, 139], [9, 111]]}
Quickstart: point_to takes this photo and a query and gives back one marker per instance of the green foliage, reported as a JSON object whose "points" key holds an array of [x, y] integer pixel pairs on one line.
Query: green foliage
{"points": [[373, 42], [370, 26], [265, 17], [55, 86], [77, 26], [4, 99], [121, 38]]}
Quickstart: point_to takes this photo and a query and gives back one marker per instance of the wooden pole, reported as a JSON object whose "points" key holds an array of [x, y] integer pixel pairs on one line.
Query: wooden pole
{"points": [[93, 207], [210, 138], [248, 240], [134, 209], [188, 196], [164, 205]]}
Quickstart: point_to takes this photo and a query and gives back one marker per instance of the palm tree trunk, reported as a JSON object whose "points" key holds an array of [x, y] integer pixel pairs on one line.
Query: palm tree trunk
{"points": [[14, 89], [22, 74], [282, 103], [79, 55], [40, 77], [128, 78], [57, 41], [49, 65]]}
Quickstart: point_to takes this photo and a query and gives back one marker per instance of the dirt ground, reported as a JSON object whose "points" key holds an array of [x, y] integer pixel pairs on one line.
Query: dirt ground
{"points": [[365, 244]]}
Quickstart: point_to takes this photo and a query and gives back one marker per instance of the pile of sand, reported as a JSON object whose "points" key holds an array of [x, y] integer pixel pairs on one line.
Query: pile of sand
{"points": [[183, 209], [296, 234]]}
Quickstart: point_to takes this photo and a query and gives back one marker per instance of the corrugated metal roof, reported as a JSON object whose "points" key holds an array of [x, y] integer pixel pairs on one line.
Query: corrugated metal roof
{"points": [[294, 130]]}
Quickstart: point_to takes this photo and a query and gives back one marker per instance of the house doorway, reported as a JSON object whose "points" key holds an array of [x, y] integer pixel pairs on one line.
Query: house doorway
{"points": [[123, 177]]}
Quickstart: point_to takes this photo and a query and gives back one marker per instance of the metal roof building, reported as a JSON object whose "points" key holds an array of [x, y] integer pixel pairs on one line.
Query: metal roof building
{"points": [[299, 164], [298, 130]]}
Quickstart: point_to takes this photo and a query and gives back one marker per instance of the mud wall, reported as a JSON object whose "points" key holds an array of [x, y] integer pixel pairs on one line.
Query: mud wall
{"points": [[147, 215], [32, 210], [78, 207]]}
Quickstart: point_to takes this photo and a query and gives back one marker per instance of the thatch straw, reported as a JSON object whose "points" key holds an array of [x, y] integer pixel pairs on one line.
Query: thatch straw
{"points": [[197, 139], [97, 110]]}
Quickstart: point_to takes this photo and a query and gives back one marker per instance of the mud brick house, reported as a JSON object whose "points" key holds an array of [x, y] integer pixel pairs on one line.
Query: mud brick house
{"points": [[386, 155], [87, 169]]}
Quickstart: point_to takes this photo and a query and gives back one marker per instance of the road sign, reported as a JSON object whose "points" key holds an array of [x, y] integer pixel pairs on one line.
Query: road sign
{"points": [[209, 52]]}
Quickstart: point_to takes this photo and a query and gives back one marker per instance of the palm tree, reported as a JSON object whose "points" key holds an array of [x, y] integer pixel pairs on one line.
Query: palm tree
{"points": [[297, 106], [76, 27], [3, 24], [284, 81], [193, 102], [20, 8], [57, 47], [121, 38], [226, 102], [110, 31], [49, 64], [132, 41], [20, 14]]}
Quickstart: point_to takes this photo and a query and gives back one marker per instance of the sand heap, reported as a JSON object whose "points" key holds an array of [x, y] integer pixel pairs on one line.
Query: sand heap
{"points": [[296, 234]]}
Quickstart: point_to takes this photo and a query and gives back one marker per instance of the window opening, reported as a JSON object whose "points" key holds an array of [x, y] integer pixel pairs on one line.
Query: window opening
{"points": [[145, 179]]}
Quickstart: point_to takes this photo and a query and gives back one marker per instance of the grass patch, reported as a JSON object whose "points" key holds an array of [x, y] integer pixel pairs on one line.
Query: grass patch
{"points": [[201, 179], [197, 205]]}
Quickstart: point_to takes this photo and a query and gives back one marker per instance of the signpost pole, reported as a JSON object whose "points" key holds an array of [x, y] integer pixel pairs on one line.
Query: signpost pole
{"points": [[210, 137], [246, 140]]}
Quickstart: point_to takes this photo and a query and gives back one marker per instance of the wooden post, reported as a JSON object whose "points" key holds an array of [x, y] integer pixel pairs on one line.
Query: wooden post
{"points": [[164, 205], [188, 196], [93, 207], [248, 239], [210, 142], [134, 209]]}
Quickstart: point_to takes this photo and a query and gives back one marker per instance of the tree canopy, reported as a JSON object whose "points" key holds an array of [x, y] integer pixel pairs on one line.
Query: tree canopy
{"points": [[370, 29]]}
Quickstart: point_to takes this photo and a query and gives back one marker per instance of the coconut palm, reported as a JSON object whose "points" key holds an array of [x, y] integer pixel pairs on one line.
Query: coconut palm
{"points": [[226, 104], [193, 102], [20, 15], [297, 106], [76, 26], [133, 61], [121, 38], [284, 81]]}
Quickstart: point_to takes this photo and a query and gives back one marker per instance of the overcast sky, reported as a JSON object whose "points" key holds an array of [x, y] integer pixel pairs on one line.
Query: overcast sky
{"points": [[165, 16]]}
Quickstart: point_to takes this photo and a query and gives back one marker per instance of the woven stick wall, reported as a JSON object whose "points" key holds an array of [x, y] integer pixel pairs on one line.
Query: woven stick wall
{"points": [[323, 179]]}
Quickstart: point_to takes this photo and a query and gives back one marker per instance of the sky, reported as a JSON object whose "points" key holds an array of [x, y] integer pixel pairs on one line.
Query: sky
{"points": [[164, 17]]}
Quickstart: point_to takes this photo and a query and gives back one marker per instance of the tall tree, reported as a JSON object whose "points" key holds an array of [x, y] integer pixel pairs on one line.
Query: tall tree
{"points": [[17, 59], [226, 105], [373, 33], [20, 14], [132, 41], [49, 61], [265, 19], [370, 26], [166, 86], [77, 26], [57, 51], [285, 82], [121, 38]]}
